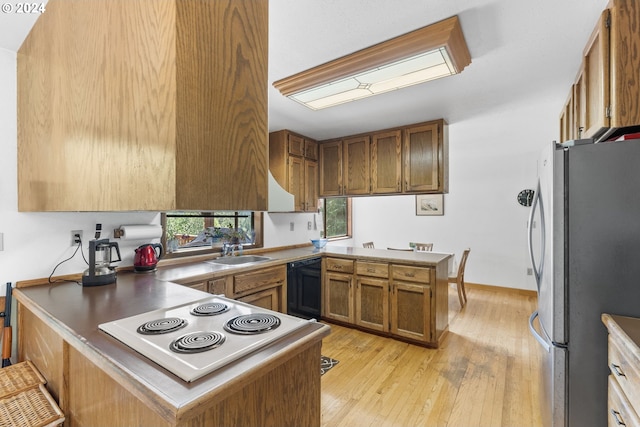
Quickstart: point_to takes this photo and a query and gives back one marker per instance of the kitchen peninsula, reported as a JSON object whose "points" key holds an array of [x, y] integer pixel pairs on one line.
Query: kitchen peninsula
{"points": [[90, 373]]}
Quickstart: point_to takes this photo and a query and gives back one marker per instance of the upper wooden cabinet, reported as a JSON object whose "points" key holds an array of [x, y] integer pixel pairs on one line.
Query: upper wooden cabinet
{"points": [[293, 162], [145, 105], [331, 169], [356, 166], [426, 159], [386, 162], [408, 159], [606, 93]]}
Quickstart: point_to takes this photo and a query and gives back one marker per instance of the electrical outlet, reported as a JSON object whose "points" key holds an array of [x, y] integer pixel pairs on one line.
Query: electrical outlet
{"points": [[1, 241], [309, 225], [74, 239], [291, 226], [529, 271]]}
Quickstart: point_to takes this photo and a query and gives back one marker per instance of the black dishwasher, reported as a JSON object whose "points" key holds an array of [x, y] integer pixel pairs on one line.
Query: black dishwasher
{"points": [[304, 288]]}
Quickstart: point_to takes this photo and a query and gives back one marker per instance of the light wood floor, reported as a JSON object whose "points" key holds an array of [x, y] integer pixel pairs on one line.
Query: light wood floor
{"points": [[484, 374]]}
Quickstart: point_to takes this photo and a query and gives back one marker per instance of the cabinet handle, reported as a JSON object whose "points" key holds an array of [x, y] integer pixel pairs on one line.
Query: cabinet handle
{"points": [[616, 369], [371, 270], [618, 417], [410, 274]]}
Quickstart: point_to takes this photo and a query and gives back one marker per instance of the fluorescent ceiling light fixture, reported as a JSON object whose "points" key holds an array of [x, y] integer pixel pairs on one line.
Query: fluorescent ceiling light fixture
{"points": [[429, 53]]}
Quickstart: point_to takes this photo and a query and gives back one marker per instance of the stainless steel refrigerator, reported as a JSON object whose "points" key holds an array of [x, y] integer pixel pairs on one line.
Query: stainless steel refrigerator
{"points": [[584, 241]]}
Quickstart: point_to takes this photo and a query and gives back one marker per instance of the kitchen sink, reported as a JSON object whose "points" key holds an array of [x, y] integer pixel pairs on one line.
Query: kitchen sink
{"points": [[239, 260]]}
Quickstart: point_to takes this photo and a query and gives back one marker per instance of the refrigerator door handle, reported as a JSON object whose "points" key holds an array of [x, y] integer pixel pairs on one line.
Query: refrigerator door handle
{"points": [[536, 335], [537, 203]]}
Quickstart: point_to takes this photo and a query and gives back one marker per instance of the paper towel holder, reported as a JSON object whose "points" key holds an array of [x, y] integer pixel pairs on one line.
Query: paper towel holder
{"points": [[118, 233]]}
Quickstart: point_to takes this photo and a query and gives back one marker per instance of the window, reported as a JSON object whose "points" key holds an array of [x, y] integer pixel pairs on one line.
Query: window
{"points": [[189, 232], [337, 217]]}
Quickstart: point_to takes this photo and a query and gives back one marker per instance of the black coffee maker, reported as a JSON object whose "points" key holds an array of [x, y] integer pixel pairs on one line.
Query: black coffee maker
{"points": [[100, 271]]}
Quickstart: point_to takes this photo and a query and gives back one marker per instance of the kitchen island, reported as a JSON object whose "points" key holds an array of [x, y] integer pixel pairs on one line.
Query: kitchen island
{"points": [[99, 381]]}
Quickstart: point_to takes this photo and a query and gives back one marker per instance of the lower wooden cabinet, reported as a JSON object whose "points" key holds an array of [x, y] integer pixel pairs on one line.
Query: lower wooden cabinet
{"points": [[624, 363], [266, 287], [392, 299], [411, 311], [338, 290], [269, 299], [219, 286], [372, 296]]}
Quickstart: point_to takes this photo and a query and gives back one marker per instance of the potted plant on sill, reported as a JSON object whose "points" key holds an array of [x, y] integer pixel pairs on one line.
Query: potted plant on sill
{"points": [[235, 236]]}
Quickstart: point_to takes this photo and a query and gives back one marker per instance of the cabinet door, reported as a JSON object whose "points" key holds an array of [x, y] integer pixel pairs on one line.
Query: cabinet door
{"points": [[624, 44], [296, 145], [296, 182], [356, 166], [372, 303], [311, 185], [269, 299], [338, 302], [386, 162], [421, 159], [218, 286], [593, 82], [411, 311], [331, 169], [310, 149]]}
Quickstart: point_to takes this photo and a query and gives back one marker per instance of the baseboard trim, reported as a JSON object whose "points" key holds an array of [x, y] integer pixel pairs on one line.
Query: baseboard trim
{"points": [[480, 286]]}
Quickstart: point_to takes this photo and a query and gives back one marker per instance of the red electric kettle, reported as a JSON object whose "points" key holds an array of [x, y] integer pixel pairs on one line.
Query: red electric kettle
{"points": [[147, 257]]}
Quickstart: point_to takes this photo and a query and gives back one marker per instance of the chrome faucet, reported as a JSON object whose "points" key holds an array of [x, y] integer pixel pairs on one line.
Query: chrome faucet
{"points": [[231, 249]]}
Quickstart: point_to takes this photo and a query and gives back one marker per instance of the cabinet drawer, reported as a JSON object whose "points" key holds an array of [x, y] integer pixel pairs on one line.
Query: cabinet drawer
{"points": [[620, 411], [624, 367], [373, 269], [264, 278], [338, 264], [412, 274]]}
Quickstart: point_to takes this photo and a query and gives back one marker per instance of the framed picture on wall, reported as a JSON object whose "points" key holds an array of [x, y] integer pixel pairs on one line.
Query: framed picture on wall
{"points": [[429, 204]]}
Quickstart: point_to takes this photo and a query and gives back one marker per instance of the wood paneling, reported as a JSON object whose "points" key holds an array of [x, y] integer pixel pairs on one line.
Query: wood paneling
{"points": [[222, 130], [97, 123], [144, 105]]}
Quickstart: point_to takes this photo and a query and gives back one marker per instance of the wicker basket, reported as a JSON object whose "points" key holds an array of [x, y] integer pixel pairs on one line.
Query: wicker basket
{"points": [[18, 377], [33, 407]]}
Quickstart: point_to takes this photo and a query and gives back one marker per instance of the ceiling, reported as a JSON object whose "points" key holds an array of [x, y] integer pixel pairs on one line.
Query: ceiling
{"points": [[519, 49]]}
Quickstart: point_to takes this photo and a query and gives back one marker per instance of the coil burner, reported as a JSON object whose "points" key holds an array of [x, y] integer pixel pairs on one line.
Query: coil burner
{"points": [[210, 309], [162, 326], [254, 323], [197, 342]]}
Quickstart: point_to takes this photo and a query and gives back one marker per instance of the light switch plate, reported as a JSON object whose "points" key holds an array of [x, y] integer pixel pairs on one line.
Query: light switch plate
{"points": [[1, 241]]}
